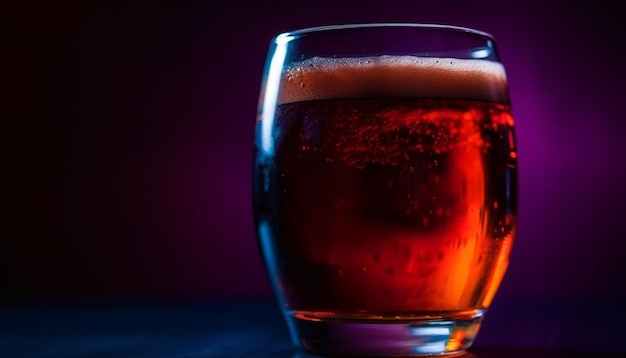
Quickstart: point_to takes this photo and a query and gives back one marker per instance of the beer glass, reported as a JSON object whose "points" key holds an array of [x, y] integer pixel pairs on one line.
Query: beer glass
{"points": [[385, 185]]}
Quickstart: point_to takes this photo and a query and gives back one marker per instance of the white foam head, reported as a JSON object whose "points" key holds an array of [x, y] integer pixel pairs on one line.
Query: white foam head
{"points": [[394, 76]]}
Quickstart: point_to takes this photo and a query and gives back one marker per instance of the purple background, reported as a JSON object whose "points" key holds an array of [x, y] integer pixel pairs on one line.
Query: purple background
{"points": [[127, 143]]}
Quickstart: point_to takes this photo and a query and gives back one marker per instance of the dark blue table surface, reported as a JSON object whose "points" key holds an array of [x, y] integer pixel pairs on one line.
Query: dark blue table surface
{"points": [[255, 328]]}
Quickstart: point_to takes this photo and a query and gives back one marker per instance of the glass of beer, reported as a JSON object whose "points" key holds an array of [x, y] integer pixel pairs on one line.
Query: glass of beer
{"points": [[385, 185]]}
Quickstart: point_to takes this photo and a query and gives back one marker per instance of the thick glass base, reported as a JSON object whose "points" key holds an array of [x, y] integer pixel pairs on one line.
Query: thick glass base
{"points": [[448, 333]]}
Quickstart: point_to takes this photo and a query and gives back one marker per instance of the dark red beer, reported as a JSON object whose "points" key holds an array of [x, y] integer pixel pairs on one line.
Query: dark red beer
{"points": [[385, 187]]}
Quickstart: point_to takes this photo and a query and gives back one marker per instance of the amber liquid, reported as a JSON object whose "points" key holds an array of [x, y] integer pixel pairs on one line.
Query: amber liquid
{"points": [[387, 207]]}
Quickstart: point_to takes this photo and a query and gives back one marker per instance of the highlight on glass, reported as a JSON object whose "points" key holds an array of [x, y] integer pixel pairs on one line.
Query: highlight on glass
{"points": [[385, 185]]}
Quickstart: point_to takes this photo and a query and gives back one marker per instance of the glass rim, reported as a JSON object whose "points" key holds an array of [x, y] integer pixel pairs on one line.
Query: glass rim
{"points": [[372, 25]]}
